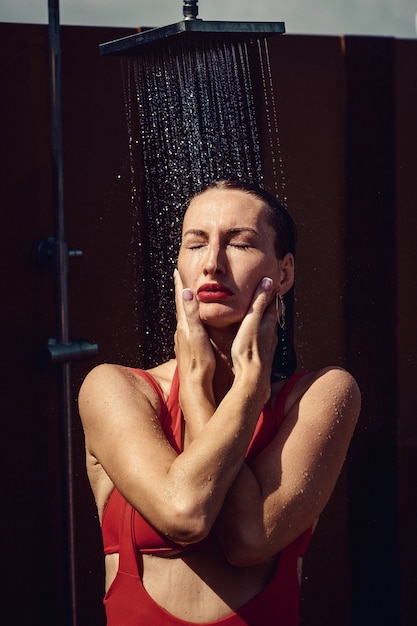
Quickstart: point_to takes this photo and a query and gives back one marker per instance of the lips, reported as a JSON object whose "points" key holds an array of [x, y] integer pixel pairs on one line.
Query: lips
{"points": [[213, 292]]}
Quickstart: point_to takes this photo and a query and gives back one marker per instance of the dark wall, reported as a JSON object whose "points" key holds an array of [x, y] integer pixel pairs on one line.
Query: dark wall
{"points": [[102, 303], [371, 316], [346, 112]]}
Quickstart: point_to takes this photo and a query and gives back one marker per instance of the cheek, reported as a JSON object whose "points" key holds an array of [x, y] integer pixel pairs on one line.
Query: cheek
{"points": [[186, 265], [272, 269], [264, 267]]}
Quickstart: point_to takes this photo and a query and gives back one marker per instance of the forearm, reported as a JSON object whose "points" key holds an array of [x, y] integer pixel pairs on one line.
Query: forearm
{"points": [[216, 451], [238, 510], [197, 405], [251, 387], [217, 437], [241, 512]]}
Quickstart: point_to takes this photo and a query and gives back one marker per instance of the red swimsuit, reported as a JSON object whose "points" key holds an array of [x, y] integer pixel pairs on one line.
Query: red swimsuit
{"points": [[125, 531]]}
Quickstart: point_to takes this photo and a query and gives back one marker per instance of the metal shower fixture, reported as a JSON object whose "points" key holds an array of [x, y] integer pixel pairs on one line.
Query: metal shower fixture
{"points": [[191, 27]]}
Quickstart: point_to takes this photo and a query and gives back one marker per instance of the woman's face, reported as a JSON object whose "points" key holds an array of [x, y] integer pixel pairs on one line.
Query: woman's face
{"points": [[227, 247]]}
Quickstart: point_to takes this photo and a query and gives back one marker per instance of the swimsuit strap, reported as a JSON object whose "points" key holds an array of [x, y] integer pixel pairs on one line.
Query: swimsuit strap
{"points": [[278, 408], [127, 554], [151, 380]]}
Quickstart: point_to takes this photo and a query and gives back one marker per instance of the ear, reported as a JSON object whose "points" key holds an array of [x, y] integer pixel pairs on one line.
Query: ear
{"points": [[287, 273]]}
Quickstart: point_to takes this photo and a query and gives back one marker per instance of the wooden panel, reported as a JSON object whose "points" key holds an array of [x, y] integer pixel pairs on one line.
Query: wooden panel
{"points": [[355, 297]]}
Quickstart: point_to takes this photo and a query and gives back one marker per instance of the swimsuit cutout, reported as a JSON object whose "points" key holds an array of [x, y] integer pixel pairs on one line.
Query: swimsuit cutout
{"points": [[127, 532]]}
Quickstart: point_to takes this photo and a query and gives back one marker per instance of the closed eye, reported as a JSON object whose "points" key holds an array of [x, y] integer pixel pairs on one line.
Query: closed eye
{"points": [[195, 246], [240, 246]]}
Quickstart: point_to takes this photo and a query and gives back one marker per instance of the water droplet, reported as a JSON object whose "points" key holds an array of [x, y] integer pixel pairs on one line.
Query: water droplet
{"points": [[190, 106]]}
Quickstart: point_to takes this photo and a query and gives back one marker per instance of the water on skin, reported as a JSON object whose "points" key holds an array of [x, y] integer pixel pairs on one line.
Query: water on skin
{"points": [[191, 108]]}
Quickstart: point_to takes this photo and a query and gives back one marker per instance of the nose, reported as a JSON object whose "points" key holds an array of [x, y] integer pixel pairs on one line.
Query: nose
{"points": [[213, 264]]}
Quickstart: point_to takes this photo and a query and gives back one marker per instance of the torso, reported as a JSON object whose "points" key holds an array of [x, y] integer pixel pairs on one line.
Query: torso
{"points": [[193, 586], [202, 587]]}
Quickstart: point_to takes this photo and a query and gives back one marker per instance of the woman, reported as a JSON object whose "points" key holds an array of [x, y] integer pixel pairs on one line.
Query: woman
{"points": [[209, 471]]}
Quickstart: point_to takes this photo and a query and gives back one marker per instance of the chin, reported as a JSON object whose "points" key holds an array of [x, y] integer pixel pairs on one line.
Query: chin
{"points": [[219, 316]]}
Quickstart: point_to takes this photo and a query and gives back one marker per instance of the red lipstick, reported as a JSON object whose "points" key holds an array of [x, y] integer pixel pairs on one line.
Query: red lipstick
{"points": [[213, 292]]}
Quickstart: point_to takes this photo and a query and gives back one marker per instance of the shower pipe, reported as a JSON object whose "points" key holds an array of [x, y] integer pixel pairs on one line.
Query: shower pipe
{"points": [[191, 27], [53, 253]]}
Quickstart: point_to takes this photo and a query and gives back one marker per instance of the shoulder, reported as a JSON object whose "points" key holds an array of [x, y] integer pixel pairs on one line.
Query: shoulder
{"points": [[109, 378], [110, 386], [332, 380], [331, 389], [333, 377]]}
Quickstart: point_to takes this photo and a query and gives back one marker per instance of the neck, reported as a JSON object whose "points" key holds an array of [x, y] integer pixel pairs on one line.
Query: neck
{"points": [[221, 340]]}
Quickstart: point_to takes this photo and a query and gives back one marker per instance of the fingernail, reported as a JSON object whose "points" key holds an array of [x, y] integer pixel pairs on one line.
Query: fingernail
{"points": [[175, 272], [266, 284], [187, 295]]}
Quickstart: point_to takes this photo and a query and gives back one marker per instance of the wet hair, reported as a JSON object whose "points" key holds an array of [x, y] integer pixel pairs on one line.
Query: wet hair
{"points": [[285, 361]]}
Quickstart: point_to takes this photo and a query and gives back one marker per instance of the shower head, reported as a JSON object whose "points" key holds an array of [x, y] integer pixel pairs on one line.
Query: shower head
{"points": [[191, 27]]}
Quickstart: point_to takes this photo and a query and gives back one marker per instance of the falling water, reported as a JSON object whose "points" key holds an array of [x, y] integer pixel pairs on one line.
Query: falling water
{"points": [[191, 109]]}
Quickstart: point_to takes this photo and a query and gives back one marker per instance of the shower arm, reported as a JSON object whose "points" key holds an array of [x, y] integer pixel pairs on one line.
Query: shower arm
{"points": [[190, 9]]}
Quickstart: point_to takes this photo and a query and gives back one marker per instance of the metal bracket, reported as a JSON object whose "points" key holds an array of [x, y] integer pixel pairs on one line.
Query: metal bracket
{"points": [[44, 252], [59, 352]]}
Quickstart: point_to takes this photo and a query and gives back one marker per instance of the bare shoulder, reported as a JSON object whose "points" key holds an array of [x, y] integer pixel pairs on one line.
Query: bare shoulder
{"points": [[334, 377], [110, 379], [335, 381], [332, 389], [108, 382], [117, 407]]}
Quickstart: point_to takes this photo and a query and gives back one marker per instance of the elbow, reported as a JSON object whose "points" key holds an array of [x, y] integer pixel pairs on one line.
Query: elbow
{"points": [[187, 525]]}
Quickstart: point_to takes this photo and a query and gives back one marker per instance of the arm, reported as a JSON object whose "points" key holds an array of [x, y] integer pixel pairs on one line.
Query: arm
{"points": [[284, 491], [251, 353], [287, 487], [181, 495]]}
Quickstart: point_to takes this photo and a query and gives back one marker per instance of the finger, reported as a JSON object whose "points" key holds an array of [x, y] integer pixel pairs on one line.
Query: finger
{"points": [[186, 303], [268, 326], [179, 299], [262, 297], [269, 317], [251, 324]]}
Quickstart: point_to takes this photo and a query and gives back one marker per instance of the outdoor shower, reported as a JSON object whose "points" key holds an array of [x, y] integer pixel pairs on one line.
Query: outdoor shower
{"points": [[350, 186], [191, 113], [193, 93]]}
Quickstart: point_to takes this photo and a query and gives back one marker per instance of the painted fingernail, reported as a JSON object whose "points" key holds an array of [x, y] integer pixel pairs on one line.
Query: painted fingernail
{"points": [[187, 295], [266, 284]]}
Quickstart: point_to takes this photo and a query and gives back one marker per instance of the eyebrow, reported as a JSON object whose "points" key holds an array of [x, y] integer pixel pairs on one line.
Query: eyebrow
{"points": [[231, 231]]}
